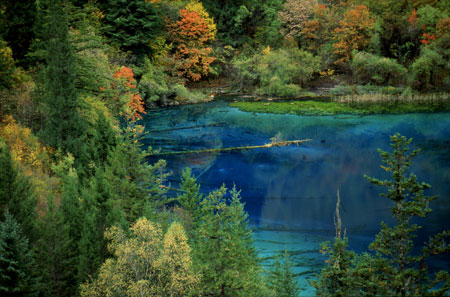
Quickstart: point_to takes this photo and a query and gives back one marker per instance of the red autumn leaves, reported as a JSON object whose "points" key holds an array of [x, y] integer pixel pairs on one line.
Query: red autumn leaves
{"points": [[135, 102], [191, 34]]}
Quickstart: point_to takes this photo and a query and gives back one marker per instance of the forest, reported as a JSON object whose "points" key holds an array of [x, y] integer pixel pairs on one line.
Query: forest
{"points": [[84, 213]]}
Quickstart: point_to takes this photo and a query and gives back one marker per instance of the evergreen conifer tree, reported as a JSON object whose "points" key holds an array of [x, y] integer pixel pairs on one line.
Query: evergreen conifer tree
{"points": [[99, 212], [132, 24], [190, 201], [134, 182], [17, 269], [54, 254], [406, 273], [282, 280], [394, 270], [224, 248], [337, 278], [63, 126], [16, 192], [90, 244]]}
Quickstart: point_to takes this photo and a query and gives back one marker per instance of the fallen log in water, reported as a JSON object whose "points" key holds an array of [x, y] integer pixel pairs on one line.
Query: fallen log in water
{"points": [[226, 149]]}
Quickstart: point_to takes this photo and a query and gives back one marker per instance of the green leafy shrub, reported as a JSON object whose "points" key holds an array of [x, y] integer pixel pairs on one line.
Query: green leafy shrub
{"points": [[276, 86], [429, 16], [368, 68], [279, 72], [185, 95], [153, 84], [428, 70]]}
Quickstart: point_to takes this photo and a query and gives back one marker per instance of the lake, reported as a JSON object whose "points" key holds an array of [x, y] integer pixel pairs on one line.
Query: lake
{"points": [[290, 192]]}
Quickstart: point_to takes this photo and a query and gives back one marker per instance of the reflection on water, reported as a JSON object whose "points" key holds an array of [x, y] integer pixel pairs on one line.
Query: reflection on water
{"points": [[290, 192]]}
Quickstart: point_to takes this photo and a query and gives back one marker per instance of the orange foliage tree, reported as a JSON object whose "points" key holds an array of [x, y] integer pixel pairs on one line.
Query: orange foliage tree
{"points": [[191, 34], [128, 96], [353, 33], [316, 31]]}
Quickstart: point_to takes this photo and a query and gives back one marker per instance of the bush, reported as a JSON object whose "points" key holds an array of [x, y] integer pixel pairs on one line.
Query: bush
{"points": [[279, 72], [185, 95], [275, 86], [428, 17], [428, 70], [368, 68], [246, 74], [153, 84]]}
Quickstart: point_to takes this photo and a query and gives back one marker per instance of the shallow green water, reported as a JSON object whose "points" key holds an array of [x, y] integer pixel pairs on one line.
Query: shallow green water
{"points": [[290, 192]]}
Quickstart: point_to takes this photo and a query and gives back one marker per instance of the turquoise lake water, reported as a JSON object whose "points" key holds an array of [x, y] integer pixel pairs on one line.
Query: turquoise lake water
{"points": [[290, 192]]}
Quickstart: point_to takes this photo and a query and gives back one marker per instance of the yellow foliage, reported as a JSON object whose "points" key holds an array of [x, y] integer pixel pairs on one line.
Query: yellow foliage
{"points": [[328, 72], [160, 48], [387, 169], [33, 158], [176, 258], [25, 147], [145, 263], [93, 107], [266, 51], [197, 6]]}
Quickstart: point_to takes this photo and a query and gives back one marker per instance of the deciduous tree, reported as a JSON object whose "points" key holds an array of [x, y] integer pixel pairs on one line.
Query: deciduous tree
{"points": [[128, 97], [353, 33], [294, 16], [192, 33], [145, 263]]}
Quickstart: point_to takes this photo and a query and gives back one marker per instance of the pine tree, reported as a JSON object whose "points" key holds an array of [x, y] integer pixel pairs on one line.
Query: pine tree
{"points": [[16, 192], [282, 280], [336, 278], [99, 212], [132, 24], [224, 248], [54, 254], [63, 126], [17, 269], [190, 202], [394, 270], [133, 181], [91, 241], [406, 274]]}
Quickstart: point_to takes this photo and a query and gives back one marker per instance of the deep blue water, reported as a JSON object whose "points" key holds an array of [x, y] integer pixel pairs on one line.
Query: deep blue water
{"points": [[290, 192]]}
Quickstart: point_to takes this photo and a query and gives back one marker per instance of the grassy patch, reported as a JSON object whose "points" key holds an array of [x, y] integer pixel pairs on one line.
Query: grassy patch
{"points": [[332, 108]]}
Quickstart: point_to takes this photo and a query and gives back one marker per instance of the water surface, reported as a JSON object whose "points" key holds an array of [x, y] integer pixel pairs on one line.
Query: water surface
{"points": [[290, 192]]}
